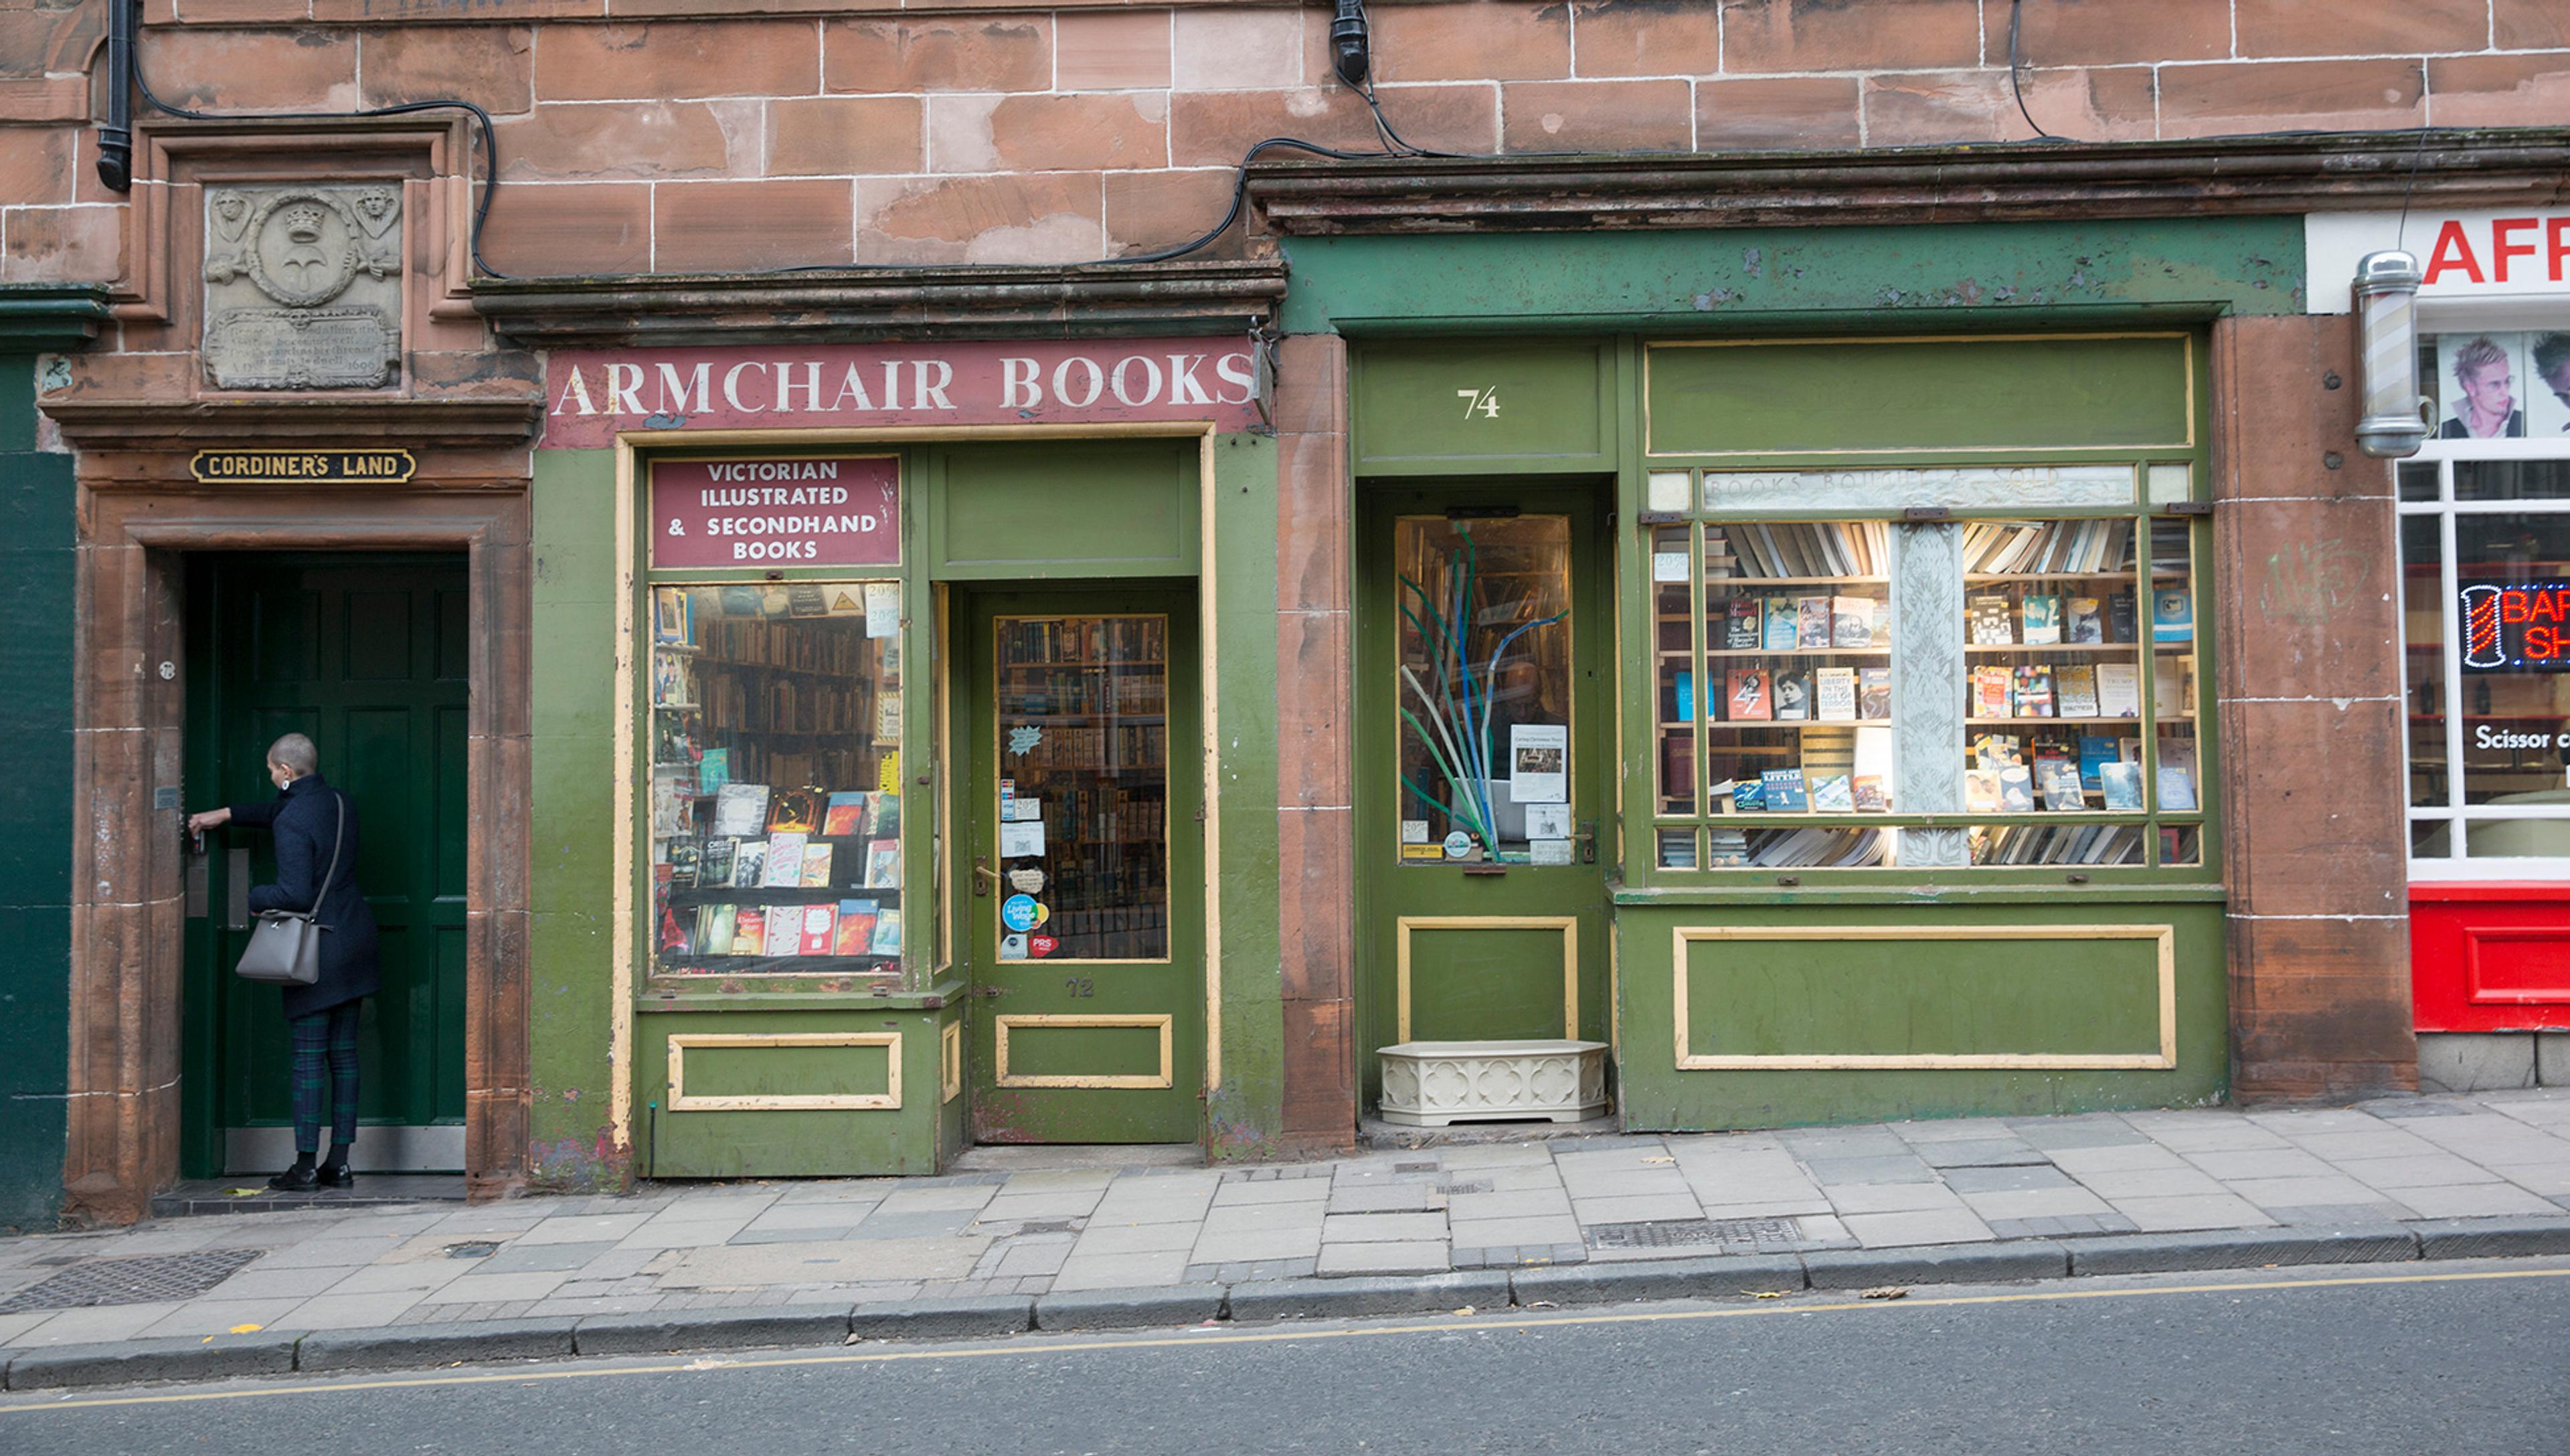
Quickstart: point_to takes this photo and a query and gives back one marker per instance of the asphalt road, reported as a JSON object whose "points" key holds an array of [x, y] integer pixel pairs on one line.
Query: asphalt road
{"points": [[2450, 1359]]}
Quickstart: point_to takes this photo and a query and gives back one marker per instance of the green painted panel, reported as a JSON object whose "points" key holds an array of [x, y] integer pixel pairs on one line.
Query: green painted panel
{"points": [[1483, 984], [1877, 997], [791, 1143], [787, 1071], [1437, 404], [1123, 508], [1244, 1110], [1968, 276], [1083, 1051], [2073, 984], [1751, 397]]}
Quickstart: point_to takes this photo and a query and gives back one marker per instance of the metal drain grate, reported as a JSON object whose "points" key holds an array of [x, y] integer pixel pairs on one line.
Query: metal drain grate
{"points": [[1733, 1235], [98, 1281]]}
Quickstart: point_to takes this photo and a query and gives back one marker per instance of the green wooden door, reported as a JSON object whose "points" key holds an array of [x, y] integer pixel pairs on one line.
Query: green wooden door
{"points": [[1084, 865], [369, 656], [1483, 746]]}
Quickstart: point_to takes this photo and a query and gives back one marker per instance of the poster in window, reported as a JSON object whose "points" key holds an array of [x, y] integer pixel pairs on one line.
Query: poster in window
{"points": [[1538, 763], [2481, 379]]}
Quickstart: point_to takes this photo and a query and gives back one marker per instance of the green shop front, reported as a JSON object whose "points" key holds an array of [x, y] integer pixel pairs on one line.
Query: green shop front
{"points": [[884, 751], [1791, 663]]}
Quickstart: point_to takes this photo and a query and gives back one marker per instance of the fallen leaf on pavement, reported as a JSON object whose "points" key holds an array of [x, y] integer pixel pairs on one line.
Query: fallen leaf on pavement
{"points": [[1764, 1293], [242, 1192], [1468, 1309], [1885, 1291], [246, 1329], [1660, 1160], [1543, 1304]]}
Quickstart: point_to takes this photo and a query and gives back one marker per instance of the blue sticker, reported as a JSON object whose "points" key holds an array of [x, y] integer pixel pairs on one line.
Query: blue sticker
{"points": [[1018, 913]]}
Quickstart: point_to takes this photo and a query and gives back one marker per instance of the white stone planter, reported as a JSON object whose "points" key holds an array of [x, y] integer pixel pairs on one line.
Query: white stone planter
{"points": [[1437, 1083]]}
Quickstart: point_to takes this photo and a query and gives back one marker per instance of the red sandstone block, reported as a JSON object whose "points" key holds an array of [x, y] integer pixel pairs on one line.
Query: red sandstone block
{"points": [[1110, 49], [444, 10], [1315, 883], [2301, 28], [1763, 113], [1980, 106], [677, 59], [62, 245], [1311, 727], [48, 41], [36, 164], [1149, 210], [1832, 35], [1471, 42], [490, 66], [719, 227], [239, 12], [845, 136], [1098, 130], [584, 142], [570, 228], [2198, 100], [1008, 218], [2526, 25], [952, 53], [1239, 49], [1212, 128], [1646, 38], [1596, 116], [2499, 91], [255, 69], [2108, 32]]}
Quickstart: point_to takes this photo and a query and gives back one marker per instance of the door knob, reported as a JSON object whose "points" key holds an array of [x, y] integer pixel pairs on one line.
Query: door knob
{"points": [[984, 877]]}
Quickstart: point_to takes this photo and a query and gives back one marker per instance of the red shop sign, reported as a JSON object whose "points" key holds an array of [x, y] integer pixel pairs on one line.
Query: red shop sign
{"points": [[776, 511]]}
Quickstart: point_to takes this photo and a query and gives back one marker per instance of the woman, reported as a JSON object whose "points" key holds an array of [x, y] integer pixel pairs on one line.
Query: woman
{"points": [[306, 818]]}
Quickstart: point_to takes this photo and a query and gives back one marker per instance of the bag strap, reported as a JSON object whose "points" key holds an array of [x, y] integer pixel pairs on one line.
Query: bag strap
{"points": [[337, 839]]}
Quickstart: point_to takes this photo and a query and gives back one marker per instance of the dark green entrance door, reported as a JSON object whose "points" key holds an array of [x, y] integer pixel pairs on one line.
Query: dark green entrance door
{"points": [[1084, 886], [368, 656], [1483, 736]]}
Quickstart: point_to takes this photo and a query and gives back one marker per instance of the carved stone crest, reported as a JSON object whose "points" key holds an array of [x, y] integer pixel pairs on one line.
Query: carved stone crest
{"points": [[301, 287]]}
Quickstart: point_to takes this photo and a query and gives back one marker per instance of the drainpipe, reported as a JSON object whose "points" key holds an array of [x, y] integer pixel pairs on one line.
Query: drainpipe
{"points": [[115, 133]]}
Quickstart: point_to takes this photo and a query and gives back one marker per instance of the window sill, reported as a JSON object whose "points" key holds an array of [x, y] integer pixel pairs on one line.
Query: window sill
{"points": [[1879, 893]]}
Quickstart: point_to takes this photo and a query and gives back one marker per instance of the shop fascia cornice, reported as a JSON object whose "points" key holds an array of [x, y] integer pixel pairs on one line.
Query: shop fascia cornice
{"points": [[867, 304], [36, 317], [301, 422], [1997, 183]]}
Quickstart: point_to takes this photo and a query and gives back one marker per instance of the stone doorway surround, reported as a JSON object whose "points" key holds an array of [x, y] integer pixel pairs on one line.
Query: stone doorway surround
{"points": [[141, 515]]}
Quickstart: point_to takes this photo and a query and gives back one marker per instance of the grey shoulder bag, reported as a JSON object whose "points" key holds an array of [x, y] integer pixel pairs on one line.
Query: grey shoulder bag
{"points": [[285, 946]]}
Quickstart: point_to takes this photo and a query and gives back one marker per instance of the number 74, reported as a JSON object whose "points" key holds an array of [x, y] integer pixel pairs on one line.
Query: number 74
{"points": [[1482, 402]]}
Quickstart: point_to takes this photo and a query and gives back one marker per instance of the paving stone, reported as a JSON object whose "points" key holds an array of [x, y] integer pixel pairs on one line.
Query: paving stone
{"points": [[1728, 1276], [2427, 1170], [2239, 1249], [1135, 1238], [2551, 1182], [1857, 1268], [1244, 1271], [474, 1288], [1289, 1193], [2005, 1179], [348, 1312], [1810, 1143], [255, 1282], [540, 1257], [804, 1234], [1382, 1227], [2480, 1199], [2359, 1215], [1319, 1299], [842, 1260], [2209, 1134], [2269, 1193], [656, 1235], [608, 1229], [1922, 1133], [918, 1223], [1955, 1226], [126, 1362], [2152, 1183], [1129, 1309], [1892, 1198], [811, 1215], [1483, 1232], [200, 1318], [1639, 1209], [1981, 1153], [1427, 1256], [1404, 1196], [1526, 1204], [2377, 1142], [2036, 1203], [2262, 1163], [1213, 1247], [1513, 1256], [1120, 1271], [2056, 1135], [1901, 1167], [967, 1198], [2068, 1226], [2121, 1158]]}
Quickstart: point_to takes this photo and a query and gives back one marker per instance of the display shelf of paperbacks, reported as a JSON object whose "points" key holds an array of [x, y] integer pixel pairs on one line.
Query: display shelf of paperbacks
{"points": [[775, 762], [1799, 724], [1083, 744]]}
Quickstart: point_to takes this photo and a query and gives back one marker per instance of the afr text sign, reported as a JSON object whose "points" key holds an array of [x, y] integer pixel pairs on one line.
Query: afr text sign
{"points": [[590, 396]]}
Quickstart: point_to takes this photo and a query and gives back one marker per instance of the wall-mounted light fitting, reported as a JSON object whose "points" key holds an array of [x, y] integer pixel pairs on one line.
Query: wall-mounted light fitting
{"points": [[1351, 53], [2386, 335]]}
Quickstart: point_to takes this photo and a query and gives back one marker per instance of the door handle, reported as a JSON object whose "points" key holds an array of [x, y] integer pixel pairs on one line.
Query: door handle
{"points": [[1587, 837], [236, 889], [198, 875], [984, 877]]}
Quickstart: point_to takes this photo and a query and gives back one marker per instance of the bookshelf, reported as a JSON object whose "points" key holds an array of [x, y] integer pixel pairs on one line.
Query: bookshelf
{"points": [[1084, 752], [775, 803]]}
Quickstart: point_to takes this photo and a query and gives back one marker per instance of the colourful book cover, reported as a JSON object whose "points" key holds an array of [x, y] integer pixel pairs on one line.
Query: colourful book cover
{"points": [[2033, 688], [846, 817], [882, 815], [1685, 698], [2094, 751], [1740, 624], [856, 927], [1833, 695], [2017, 790], [749, 931], [1851, 622], [2076, 688], [2059, 780], [1793, 695], [1811, 622], [2081, 620], [2042, 619], [1990, 685], [883, 865], [2172, 614], [2119, 690], [784, 861], [816, 866], [820, 922], [784, 928], [1781, 633], [1785, 790], [1981, 791], [2122, 783], [1873, 692], [1749, 697], [1832, 794], [887, 941], [1747, 796], [715, 930], [713, 770], [1867, 790], [748, 863], [1990, 626]]}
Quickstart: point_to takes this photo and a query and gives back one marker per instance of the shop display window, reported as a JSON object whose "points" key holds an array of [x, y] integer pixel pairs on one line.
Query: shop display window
{"points": [[2485, 612], [1920, 689], [1484, 681], [775, 798]]}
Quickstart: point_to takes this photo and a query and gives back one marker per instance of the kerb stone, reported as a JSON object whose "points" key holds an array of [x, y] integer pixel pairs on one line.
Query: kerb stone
{"points": [[2241, 1248], [180, 1358], [1659, 1278], [1129, 1309], [1961, 1264], [666, 1331], [1342, 1299], [2491, 1237], [407, 1346], [982, 1316]]}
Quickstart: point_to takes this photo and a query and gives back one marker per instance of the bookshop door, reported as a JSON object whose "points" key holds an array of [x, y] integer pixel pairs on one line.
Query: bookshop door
{"points": [[1083, 885], [1483, 766], [368, 655]]}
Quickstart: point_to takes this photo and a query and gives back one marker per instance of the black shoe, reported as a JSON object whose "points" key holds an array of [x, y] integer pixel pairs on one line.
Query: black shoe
{"points": [[340, 1177], [297, 1179]]}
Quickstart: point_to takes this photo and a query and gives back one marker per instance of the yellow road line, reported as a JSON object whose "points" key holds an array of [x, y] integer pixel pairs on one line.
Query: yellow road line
{"points": [[715, 1360]]}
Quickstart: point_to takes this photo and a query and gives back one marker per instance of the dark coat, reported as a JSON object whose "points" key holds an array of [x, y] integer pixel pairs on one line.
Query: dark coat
{"points": [[304, 819]]}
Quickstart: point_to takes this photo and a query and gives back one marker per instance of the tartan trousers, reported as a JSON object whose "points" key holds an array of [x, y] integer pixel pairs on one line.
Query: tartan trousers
{"points": [[325, 1056]]}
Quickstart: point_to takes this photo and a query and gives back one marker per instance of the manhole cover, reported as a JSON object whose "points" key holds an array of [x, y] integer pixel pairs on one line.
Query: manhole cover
{"points": [[1049, 1225], [131, 1281], [472, 1249], [1733, 1234]]}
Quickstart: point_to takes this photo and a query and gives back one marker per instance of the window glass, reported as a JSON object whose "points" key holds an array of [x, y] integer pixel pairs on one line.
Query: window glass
{"points": [[2423, 619], [2061, 635], [1681, 696], [1083, 806], [2512, 479], [1484, 690], [2512, 579], [1798, 658], [775, 794], [2417, 479]]}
